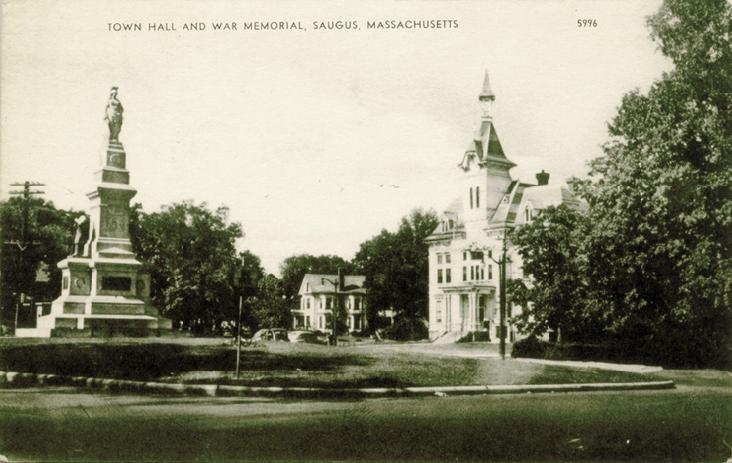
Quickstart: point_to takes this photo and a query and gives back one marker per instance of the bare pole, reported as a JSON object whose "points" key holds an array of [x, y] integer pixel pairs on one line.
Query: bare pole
{"points": [[502, 295], [238, 339], [502, 308], [337, 305]]}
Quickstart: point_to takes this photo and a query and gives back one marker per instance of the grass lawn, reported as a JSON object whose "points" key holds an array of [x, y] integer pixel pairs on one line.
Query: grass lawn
{"points": [[671, 425], [281, 364]]}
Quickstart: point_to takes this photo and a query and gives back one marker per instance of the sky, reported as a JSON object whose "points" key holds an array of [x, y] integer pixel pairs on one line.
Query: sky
{"points": [[316, 140]]}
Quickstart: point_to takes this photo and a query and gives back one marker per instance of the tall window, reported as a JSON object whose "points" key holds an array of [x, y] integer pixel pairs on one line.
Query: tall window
{"points": [[465, 273], [439, 258], [439, 275], [490, 271], [471, 197], [448, 277], [477, 196], [447, 258]]}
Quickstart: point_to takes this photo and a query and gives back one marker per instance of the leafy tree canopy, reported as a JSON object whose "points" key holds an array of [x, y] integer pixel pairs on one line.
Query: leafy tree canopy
{"points": [[191, 254], [49, 235], [555, 296], [396, 267], [658, 250]]}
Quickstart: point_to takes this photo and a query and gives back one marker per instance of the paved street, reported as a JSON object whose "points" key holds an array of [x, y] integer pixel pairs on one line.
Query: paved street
{"points": [[66, 425]]}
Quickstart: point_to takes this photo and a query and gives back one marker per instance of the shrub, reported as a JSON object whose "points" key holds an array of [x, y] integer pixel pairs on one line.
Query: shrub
{"points": [[580, 351], [407, 329], [531, 347]]}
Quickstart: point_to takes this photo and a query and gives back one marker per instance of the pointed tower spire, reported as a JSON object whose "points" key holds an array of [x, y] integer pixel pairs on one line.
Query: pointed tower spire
{"points": [[486, 94], [486, 98]]}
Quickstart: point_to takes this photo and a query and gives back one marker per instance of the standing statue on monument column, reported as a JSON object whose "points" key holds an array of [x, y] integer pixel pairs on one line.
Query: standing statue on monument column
{"points": [[77, 236], [113, 115]]}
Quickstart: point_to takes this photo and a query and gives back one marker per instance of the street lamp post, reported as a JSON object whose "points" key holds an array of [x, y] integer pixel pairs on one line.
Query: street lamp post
{"points": [[238, 339], [338, 284], [502, 296]]}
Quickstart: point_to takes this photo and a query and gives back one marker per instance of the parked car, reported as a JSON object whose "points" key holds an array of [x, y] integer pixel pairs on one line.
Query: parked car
{"points": [[311, 337], [271, 334]]}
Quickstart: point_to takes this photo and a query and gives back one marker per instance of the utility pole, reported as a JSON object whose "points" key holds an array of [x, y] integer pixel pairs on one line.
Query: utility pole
{"points": [[339, 284], [23, 242], [238, 339], [502, 295]]}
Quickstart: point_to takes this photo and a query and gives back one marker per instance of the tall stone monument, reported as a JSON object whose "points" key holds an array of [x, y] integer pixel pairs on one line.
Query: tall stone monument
{"points": [[104, 290]]}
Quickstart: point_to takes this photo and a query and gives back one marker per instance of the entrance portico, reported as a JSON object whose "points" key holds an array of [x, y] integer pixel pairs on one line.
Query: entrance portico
{"points": [[468, 306]]}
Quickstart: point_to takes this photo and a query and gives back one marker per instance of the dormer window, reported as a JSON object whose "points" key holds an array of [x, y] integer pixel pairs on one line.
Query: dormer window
{"points": [[528, 214]]}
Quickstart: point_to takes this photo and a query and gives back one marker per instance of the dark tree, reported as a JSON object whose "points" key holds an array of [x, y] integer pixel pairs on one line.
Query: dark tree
{"points": [[661, 198], [271, 309], [49, 234], [396, 269], [553, 292], [190, 252], [249, 278]]}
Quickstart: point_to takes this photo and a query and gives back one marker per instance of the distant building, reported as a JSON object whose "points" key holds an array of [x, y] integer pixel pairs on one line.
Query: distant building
{"points": [[318, 298], [463, 276]]}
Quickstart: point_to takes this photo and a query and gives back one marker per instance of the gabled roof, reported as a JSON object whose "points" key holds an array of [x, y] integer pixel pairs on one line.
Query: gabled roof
{"points": [[542, 196], [316, 284]]}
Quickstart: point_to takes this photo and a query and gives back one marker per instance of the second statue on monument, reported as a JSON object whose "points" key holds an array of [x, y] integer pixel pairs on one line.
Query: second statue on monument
{"points": [[113, 115]]}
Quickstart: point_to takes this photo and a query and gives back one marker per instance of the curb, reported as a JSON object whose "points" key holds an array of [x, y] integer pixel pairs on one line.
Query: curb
{"points": [[13, 379]]}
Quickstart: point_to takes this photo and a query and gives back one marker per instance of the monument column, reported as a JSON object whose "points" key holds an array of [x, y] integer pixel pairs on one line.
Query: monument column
{"points": [[104, 290]]}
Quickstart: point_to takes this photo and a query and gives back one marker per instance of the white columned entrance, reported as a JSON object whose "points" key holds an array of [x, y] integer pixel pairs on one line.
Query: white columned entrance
{"points": [[472, 312]]}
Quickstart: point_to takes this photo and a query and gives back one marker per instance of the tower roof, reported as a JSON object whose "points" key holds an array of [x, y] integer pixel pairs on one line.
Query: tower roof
{"points": [[486, 93]]}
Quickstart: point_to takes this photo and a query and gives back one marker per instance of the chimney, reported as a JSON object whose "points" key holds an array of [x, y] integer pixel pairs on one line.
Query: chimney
{"points": [[542, 178]]}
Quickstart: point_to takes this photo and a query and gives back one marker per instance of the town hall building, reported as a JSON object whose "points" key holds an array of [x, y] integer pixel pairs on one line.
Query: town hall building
{"points": [[467, 244]]}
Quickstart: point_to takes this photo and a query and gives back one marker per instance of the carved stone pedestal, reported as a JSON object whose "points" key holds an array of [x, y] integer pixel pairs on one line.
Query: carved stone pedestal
{"points": [[104, 290]]}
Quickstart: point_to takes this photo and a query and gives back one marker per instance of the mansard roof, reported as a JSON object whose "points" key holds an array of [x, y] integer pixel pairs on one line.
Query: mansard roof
{"points": [[487, 142], [315, 283], [543, 196], [486, 146], [517, 196]]}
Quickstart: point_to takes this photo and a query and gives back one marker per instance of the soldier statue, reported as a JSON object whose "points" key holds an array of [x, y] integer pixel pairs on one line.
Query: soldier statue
{"points": [[113, 115], [78, 235]]}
